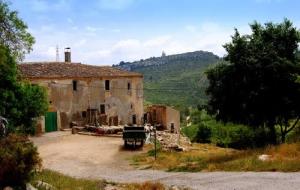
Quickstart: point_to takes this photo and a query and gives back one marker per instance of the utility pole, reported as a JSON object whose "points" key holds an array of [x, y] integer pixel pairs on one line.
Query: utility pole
{"points": [[57, 53], [155, 149]]}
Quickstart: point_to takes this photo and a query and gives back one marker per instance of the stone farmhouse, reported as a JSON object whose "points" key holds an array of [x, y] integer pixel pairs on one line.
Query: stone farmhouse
{"points": [[86, 93]]}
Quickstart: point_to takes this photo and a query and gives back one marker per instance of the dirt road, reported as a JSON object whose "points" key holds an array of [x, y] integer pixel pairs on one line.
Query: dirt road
{"points": [[103, 157]]}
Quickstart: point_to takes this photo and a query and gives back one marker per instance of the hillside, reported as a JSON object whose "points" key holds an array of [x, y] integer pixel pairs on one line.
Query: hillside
{"points": [[176, 80]]}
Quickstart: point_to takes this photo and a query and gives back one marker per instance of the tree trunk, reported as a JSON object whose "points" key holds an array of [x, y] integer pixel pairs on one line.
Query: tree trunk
{"points": [[273, 137], [284, 131], [283, 135]]}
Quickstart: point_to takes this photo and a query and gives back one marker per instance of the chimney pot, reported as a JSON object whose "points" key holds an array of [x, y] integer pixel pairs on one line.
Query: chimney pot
{"points": [[68, 55]]}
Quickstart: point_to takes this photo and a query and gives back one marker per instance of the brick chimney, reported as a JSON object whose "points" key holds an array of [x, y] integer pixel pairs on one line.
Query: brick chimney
{"points": [[68, 55]]}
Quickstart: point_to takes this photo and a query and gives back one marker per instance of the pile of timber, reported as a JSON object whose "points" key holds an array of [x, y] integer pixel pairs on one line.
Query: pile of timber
{"points": [[103, 130]]}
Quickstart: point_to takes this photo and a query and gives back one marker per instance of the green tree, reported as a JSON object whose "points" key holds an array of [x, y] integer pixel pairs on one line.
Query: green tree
{"points": [[20, 102], [13, 32], [257, 86]]}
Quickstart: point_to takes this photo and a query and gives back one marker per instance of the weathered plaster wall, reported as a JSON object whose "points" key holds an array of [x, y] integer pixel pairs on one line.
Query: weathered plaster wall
{"points": [[91, 93], [158, 115], [173, 116], [164, 115]]}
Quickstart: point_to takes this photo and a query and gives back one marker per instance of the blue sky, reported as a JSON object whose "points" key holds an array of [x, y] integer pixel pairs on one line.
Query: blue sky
{"points": [[105, 32]]}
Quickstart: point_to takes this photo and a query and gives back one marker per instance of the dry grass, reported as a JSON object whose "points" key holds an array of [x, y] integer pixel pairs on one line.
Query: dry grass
{"points": [[204, 157], [146, 186], [63, 182], [284, 151]]}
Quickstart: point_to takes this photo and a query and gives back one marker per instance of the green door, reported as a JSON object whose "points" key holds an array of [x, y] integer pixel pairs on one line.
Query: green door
{"points": [[50, 122]]}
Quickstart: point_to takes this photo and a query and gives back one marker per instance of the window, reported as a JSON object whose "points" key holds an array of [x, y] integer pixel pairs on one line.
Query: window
{"points": [[129, 86], [74, 85], [107, 85], [102, 109]]}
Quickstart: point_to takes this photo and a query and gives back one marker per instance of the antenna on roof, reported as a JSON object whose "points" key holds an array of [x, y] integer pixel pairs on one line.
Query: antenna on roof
{"points": [[57, 53]]}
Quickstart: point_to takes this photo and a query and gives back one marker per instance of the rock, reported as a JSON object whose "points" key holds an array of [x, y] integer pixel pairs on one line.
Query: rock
{"points": [[265, 157], [174, 187], [173, 146], [44, 185], [170, 141], [8, 188], [30, 187], [110, 187]]}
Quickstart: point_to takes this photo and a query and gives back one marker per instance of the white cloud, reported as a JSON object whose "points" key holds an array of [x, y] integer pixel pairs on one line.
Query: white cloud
{"points": [[125, 44], [93, 29], [191, 28], [90, 45], [158, 41]]}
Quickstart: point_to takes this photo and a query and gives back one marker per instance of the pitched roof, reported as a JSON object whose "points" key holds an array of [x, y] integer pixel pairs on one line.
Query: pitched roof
{"points": [[70, 70]]}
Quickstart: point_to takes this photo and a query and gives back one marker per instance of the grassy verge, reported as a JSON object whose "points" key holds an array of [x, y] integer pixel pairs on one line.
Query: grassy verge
{"points": [[206, 157], [64, 182]]}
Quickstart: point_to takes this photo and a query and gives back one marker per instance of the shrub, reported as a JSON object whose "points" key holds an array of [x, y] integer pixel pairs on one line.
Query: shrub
{"points": [[203, 134], [233, 136], [18, 160], [206, 129]]}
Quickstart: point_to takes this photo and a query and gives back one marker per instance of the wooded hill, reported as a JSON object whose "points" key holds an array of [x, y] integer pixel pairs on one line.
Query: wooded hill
{"points": [[176, 80]]}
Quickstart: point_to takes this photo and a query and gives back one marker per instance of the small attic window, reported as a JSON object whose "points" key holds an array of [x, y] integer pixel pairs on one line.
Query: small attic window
{"points": [[74, 85]]}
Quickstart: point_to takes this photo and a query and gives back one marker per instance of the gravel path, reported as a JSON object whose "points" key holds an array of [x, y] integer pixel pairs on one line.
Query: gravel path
{"points": [[103, 157]]}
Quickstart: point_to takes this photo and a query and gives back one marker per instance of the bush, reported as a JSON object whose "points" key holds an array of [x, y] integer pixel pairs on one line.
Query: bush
{"points": [[233, 136], [18, 160], [203, 134], [206, 129]]}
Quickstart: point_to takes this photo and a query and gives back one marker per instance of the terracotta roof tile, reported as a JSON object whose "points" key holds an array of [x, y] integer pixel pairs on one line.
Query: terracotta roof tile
{"points": [[70, 70]]}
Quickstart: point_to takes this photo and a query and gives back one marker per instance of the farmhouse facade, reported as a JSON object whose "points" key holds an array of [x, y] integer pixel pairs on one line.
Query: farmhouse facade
{"points": [[80, 92]]}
